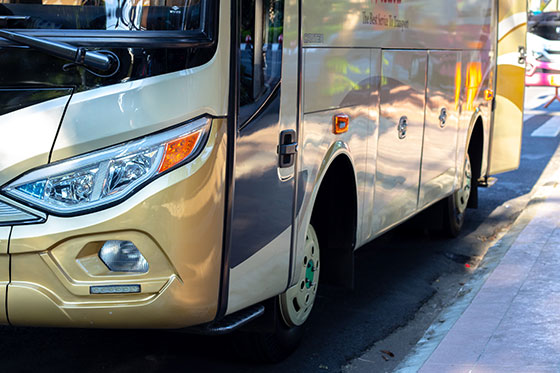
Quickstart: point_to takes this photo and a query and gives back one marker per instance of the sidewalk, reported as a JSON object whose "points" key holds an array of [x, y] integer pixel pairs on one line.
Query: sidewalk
{"points": [[513, 323]]}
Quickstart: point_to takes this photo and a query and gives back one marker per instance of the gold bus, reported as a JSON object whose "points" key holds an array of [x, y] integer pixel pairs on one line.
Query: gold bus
{"points": [[199, 163]]}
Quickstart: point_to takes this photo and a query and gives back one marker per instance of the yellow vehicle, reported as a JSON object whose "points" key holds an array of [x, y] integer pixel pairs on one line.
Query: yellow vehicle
{"points": [[198, 164]]}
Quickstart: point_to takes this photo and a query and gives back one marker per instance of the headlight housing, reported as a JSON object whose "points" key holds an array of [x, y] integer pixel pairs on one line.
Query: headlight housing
{"points": [[101, 178]]}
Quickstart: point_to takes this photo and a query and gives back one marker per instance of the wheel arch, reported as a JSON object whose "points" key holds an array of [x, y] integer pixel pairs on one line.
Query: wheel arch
{"points": [[475, 150], [334, 215]]}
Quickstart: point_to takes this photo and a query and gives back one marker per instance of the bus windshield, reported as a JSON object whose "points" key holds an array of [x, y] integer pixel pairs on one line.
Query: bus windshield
{"points": [[125, 15], [546, 25]]}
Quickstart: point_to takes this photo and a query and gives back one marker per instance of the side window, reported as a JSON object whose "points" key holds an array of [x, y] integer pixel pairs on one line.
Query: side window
{"points": [[261, 52]]}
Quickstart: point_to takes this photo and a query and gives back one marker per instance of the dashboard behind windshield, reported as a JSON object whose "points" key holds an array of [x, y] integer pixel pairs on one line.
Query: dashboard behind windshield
{"points": [[111, 15]]}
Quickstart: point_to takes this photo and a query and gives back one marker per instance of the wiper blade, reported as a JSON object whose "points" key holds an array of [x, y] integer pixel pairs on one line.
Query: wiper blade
{"points": [[77, 55]]}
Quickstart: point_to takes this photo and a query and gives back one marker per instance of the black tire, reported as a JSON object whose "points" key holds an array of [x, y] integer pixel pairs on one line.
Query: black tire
{"points": [[270, 347]]}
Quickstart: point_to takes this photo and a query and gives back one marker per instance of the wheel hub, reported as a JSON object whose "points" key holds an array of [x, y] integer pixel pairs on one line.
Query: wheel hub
{"points": [[297, 301], [463, 194]]}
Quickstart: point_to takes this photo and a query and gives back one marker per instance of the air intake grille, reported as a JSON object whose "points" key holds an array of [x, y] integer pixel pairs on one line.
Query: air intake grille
{"points": [[9, 214]]}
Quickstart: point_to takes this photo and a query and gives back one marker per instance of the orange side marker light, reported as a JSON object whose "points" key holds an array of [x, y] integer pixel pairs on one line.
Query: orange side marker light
{"points": [[341, 123], [488, 94], [177, 150]]}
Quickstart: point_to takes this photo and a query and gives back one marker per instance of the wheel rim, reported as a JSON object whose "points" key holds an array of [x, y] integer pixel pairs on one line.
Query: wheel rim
{"points": [[296, 303], [463, 194]]}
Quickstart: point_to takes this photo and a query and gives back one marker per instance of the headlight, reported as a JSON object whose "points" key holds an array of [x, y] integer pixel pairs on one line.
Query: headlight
{"points": [[103, 177]]}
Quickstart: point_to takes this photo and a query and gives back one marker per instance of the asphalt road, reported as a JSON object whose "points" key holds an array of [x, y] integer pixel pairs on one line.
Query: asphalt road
{"points": [[403, 280]]}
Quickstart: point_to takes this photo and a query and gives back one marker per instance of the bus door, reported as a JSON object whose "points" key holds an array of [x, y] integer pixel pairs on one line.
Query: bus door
{"points": [[506, 133], [264, 157]]}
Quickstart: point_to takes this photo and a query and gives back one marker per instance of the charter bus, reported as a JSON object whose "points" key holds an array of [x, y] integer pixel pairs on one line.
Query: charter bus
{"points": [[205, 165]]}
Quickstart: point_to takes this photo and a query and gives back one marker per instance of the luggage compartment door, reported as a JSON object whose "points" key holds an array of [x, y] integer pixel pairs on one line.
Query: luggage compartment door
{"points": [[505, 141], [441, 126], [401, 128]]}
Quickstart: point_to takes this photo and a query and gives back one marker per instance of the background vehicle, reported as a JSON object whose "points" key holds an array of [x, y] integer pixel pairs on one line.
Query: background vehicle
{"points": [[201, 163], [543, 46]]}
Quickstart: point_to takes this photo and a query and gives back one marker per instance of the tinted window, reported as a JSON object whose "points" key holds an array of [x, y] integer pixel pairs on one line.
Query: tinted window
{"points": [[261, 52], [547, 31], [129, 15], [545, 25]]}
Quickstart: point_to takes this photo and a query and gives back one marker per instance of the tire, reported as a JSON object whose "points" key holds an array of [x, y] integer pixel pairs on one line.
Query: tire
{"points": [[456, 204], [294, 307]]}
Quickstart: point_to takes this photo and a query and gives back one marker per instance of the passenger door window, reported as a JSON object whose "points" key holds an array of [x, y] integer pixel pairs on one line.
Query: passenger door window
{"points": [[261, 53]]}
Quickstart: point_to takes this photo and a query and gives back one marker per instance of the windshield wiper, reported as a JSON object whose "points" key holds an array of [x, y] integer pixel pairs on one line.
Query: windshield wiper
{"points": [[77, 55]]}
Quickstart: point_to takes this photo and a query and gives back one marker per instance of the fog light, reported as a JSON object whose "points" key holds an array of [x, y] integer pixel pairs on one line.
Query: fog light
{"points": [[123, 256]]}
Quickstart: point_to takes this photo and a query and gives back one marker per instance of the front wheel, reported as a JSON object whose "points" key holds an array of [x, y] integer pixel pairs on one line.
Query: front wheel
{"points": [[456, 204], [295, 305]]}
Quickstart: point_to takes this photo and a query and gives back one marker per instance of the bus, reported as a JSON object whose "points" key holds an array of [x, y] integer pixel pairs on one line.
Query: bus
{"points": [[204, 165]]}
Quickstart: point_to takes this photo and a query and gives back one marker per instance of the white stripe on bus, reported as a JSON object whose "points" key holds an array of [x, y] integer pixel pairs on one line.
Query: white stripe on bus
{"points": [[510, 23]]}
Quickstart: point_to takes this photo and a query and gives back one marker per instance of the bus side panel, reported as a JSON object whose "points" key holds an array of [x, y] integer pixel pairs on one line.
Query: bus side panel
{"points": [[336, 81], [505, 147], [399, 146], [418, 24], [441, 126]]}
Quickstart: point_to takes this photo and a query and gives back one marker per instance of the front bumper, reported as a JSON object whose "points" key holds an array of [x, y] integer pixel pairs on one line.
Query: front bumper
{"points": [[176, 222]]}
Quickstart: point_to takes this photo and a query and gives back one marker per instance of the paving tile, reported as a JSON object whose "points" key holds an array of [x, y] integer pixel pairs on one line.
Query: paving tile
{"points": [[481, 315], [526, 253], [501, 297], [510, 369], [506, 275], [458, 352], [445, 368], [555, 237], [542, 285], [535, 233], [525, 346]]}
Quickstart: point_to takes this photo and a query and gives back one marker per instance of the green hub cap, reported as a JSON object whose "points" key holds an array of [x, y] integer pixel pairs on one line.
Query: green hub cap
{"points": [[309, 274]]}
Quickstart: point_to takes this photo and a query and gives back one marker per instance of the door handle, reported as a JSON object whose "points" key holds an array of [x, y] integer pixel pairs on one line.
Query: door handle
{"points": [[522, 55], [442, 117], [402, 127], [287, 148]]}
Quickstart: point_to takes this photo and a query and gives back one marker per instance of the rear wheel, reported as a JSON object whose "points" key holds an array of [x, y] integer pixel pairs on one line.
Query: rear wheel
{"points": [[294, 305], [454, 214]]}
